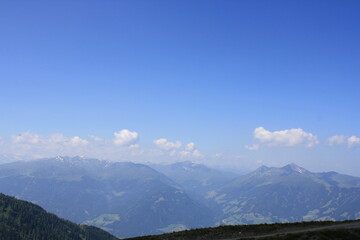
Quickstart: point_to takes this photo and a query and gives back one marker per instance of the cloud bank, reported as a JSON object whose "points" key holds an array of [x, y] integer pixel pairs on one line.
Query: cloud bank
{"points": [[29, 145], [122, 147]]}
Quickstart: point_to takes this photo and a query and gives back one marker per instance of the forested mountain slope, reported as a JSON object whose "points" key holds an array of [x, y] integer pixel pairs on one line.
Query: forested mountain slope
{"points": [[21, 220]]}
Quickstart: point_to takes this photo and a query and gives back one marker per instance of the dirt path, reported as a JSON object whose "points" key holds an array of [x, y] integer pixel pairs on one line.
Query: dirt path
{"points": [[337, 226]]}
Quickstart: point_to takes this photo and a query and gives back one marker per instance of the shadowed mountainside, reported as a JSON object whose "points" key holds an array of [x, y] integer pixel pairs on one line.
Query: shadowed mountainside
{"points": [[21, 220]]}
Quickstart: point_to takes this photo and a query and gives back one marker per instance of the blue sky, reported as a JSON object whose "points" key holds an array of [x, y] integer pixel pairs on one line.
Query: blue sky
{"points": [[203, 72]]}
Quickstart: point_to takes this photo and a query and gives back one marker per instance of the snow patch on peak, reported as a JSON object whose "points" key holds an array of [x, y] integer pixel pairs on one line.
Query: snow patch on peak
{"points": [[294, 168], [59, 158]]}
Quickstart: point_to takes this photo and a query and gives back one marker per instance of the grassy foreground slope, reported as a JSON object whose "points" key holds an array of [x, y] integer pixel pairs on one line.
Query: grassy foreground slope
{"points": [[325, 230], [329, 234], [21, 220]]}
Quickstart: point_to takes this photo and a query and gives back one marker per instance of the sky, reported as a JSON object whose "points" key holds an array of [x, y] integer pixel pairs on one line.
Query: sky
{"points": [[235, 84]]}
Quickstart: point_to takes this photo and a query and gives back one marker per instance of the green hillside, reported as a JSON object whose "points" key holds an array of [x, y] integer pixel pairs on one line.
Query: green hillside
{"points": [[21, 220]]}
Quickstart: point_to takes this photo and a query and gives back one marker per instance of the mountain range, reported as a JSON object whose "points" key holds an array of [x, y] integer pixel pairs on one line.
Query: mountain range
{"points": [[125, 199], [287, 194], [129, 199]]}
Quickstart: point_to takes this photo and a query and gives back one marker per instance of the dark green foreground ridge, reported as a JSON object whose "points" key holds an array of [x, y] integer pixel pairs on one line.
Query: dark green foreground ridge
{"points": [[21, 220], [317, 230]]}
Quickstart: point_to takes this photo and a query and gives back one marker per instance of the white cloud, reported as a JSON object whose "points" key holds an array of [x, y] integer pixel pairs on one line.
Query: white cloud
{"points": [[190, 151], [125, 137], [97, 139], [287, 138], [164, 144], [197, 154], [336, 140], [353, 142], [190, 146], [134, 146], [77, 141], [175, 149], [253, 147], [27, 138], [191, 154], [57, 138]]}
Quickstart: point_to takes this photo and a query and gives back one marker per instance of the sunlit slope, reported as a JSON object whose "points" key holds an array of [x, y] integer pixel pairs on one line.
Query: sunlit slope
{"points": [[287, 194]]}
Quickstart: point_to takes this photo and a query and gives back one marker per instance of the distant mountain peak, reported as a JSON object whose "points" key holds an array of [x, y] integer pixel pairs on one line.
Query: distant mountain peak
{"points": [[60, 158], [262, 169], [292, 167]]}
